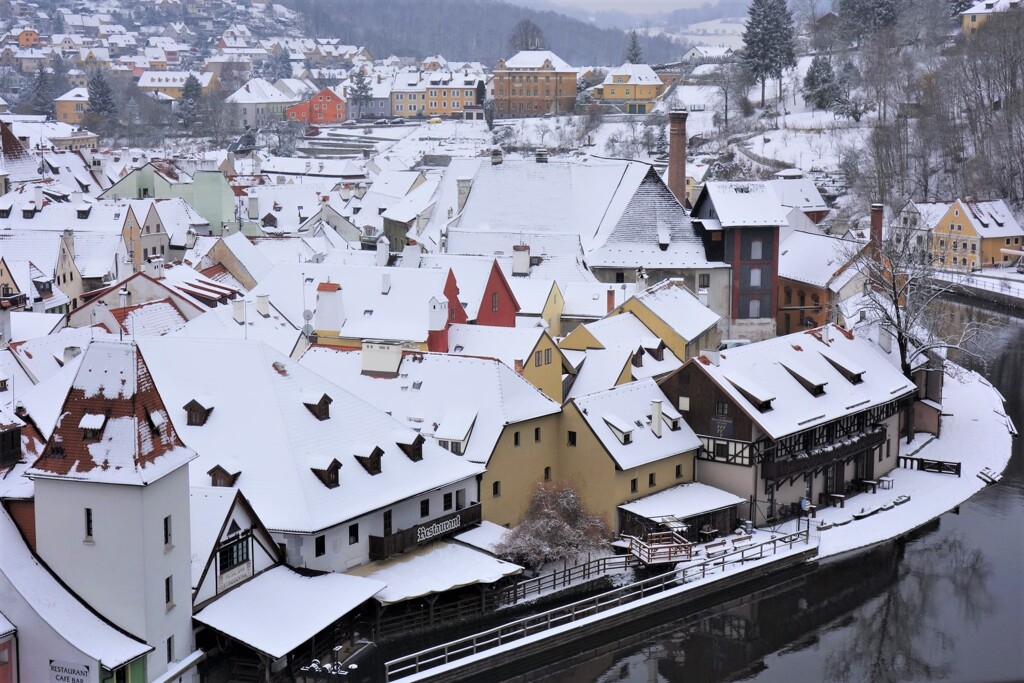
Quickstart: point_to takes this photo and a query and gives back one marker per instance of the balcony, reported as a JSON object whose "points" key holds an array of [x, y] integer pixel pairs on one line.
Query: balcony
{"points": [[383, 547], [823, 456]]}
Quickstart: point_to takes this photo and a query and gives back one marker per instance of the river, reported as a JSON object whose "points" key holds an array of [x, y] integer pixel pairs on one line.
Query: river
{"points": [[946, 604]]}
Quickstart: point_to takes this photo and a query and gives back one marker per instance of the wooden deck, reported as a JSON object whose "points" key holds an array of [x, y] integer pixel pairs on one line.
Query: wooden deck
{"points": [[661, 548]]}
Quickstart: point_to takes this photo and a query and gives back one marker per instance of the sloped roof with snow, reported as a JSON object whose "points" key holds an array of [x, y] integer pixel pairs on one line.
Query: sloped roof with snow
{"points": [[678, 308], [769, 367], [535, 59], [749, 203], [815, 259], [112, 395], [625, 406], [431, 387], [274, 440]]}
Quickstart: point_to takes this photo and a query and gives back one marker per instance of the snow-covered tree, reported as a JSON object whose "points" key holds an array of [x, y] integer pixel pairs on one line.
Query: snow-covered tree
{"points": [[359, 93], [860, 18], [489, 113], [37, 98], [634, 53], [103, 107], [769, 41], [278, 66], [820, 87], [555, 528]]}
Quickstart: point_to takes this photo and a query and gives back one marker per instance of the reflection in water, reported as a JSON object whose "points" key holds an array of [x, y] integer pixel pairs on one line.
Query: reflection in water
{"points": [[944, 604]]}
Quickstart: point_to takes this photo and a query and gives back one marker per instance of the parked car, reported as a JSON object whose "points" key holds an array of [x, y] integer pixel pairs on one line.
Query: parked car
{"points": [[435, 119], [397, 122], [350, 123]]}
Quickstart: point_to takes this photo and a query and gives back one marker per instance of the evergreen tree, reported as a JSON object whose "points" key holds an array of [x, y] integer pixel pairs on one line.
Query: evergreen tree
{"points": [[769, 41], [958, 6], [860, 18], [102, 113], [820, 87], [634, 53], [59, 76], [38, 97], [278, 66], [192, 90], [359, 93]]}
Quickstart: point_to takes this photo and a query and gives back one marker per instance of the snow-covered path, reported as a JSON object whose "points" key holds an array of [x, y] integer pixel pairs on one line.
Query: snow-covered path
{"points": [[975, 432]]}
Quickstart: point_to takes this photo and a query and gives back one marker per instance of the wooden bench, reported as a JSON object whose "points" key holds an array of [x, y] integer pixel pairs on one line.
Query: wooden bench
{"points": [[740, 540], [715, 549]]}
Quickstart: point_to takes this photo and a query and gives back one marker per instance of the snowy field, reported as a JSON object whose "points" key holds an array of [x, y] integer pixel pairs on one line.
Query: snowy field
{"points": [[451, 137], [807, 140]]}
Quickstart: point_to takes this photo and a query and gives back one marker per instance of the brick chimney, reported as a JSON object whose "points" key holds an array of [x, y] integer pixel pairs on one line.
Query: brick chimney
{"points": [[611, 299], [877, 211], [677, 154]]}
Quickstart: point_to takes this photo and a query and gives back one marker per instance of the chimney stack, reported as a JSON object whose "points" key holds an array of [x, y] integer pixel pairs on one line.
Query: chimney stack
{"points": [[677, 154], [263, 305], [123, 298], [611, 299], [656, 417], [385, 283], [330, 307], [521, 259], [238, 311], [877, 211]]}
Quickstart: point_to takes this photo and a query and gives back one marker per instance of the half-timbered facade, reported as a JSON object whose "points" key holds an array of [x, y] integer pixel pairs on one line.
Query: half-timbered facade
{"points": [[806, 416]]}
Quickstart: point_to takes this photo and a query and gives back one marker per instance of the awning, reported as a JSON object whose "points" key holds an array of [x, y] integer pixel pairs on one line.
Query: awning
{"points": [[682, 502], [280, 609], [434, 568]]}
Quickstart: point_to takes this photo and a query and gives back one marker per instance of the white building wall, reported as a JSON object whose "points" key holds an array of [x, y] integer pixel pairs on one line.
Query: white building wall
{"points": [[341, 556], [121, 572]]}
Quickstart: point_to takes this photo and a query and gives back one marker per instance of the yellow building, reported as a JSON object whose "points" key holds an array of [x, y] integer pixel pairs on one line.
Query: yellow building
{"points": [[72, 106], [172, 83], [977, 14], [622, 444], [635, 86], [974, 234]]}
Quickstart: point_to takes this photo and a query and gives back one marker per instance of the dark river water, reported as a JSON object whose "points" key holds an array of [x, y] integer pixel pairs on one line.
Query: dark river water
{"points": [[946, 604]]}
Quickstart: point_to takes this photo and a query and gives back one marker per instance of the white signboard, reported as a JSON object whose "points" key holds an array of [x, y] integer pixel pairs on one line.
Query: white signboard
{"points": [[66, 672]]}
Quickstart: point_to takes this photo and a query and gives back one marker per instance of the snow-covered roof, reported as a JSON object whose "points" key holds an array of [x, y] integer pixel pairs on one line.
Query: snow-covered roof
{"points": [[432, 389], [274, 426], [748, 203], [766, 369], [678, 308], [55, 605], [626, 406], [536, 59], [992, 218], [434, 568], [113, 395], [280, 609], [815, 259], [507, 344], [259, 91], [634, 74], [485, 537], [152, 318], [990, 6], [799, 193], [683, 501]]}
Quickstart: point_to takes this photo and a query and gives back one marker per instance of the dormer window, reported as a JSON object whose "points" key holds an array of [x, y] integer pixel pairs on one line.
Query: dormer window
{"points": [[3, 384], [622, 430], [328, 474], [638, 358], [83, 213], [413, 449], [197, 413], [319, 405], [28, 213], [371, 463], [220, 477], [92, 425]]}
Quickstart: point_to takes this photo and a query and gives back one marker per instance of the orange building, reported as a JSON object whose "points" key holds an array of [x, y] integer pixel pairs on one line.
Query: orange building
{"points": [[534, 83], [28, 37], [327, 106]]}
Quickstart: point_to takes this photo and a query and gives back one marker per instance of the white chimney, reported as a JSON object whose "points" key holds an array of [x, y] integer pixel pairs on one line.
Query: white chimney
{"points": [[885, 339], [656, 417], [712, 356], [263, 305], [438, 318], [254, 206], [330, 307], [238, 311], [826, 333], [123, 298], [521, 259], [39, 197], [383, 251], [385, 283]]}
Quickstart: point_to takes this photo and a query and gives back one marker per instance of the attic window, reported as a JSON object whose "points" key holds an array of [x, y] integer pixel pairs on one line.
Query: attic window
{"points": [[92, 425], [83, 213], [371, 462], [638, 358], [220, 477], [196, 413], [413, 450], [320, 407], [328, 475], [813, 384], [417, 385], [622, 430], [156, 421], [27, 213]]}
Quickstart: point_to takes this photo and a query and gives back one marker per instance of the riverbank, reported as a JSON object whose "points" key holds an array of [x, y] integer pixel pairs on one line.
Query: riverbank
{"points": [[975, 432]]}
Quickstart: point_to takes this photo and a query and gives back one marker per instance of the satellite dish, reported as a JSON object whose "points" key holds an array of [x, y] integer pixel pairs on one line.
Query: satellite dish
{"points": [[307, 329], [307, 315]]}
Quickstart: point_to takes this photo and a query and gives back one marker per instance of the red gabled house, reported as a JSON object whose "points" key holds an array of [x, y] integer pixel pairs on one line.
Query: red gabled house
{"points": [[327, 106], [498, 307]]}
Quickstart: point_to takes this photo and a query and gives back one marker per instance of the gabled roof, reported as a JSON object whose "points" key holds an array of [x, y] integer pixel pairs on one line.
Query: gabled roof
{"points": [[274, 441], [535, 59], [620, 408], [767, 368], [743, 204], [431, 389], [133, 441], [678, 308], [815, 259]]}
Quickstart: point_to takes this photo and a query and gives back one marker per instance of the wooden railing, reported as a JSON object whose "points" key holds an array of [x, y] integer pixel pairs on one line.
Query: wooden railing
{"points": [[822, 456], [927, 465], [561, 579], [383, 547], [545, 621], [661, 548]]}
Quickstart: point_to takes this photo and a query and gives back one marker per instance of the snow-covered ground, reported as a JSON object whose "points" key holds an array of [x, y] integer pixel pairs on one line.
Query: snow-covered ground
{"points": [[809, 140], [1005, 281], [450, 137], [974, 432]]}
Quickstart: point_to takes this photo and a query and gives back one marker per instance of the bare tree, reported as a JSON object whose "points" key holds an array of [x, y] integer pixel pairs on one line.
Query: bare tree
{"points": [[526, 35], [555, 528], [731, 83], [906, 284]]}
